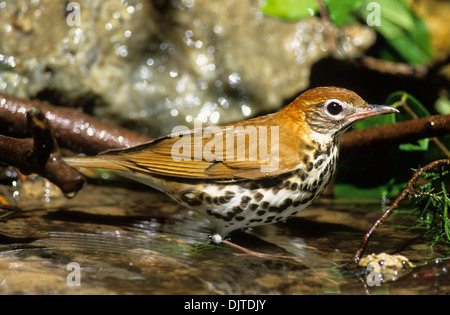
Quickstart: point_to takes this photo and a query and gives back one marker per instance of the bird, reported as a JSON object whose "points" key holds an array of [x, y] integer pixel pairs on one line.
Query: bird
{"points": [[255, 172]]}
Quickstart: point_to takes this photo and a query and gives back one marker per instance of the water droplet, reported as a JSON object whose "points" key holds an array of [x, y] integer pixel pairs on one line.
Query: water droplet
{"points": [[224, 102], [173, 73], [198, 44], [246, 110], [215, 117], [234, 79], [122, 51], [201, 60], [218, 29], [127, 33], [90, 131], [70, 195]]}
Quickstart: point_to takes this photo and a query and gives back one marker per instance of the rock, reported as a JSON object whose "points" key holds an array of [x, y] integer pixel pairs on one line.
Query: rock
{"points": [[155, 65]]}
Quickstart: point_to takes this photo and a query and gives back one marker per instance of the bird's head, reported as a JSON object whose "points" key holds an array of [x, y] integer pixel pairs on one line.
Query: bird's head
{"points": [[333, 110]]}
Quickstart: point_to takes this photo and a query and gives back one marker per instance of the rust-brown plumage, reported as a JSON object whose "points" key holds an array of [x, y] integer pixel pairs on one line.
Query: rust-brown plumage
{"points": [[198, 166]]}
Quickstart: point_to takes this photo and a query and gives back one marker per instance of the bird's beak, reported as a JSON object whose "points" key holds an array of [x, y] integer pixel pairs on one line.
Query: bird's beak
{"points": [[370, 111]]}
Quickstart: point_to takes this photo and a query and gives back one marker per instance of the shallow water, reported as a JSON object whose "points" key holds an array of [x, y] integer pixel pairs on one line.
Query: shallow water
{"points": [[136, 241]]}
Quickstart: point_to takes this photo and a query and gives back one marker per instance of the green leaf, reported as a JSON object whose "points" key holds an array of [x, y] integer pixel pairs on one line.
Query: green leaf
{"points": [[404, 31], [442, 106], [390, 30], [414, 106], [413, 103], [341, 11], [397, 12], [352, 192], [417, 108], [289, 9], [422, 145], [415, 46]]}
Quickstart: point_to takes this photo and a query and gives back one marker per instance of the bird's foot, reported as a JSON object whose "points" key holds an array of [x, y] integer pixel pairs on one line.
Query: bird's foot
{"points": [[216, 238]]}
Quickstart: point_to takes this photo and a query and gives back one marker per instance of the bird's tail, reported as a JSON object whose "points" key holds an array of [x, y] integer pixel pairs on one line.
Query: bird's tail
{"points": [[95, 162]]}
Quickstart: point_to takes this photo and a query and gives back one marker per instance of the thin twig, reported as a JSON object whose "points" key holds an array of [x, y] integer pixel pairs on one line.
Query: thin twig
{"points": [[328, 26], [408, 191], [401, 132], [404, 69], [414, 116]]}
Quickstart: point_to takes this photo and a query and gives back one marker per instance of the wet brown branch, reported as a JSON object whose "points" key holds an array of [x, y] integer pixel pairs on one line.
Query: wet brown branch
{"points": [[404, 69], [402, 132], [40, 154], [408, 191], [82, 133], [73, 129]]}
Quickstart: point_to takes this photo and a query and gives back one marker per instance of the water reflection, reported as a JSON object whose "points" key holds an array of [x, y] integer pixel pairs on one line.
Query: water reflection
{"points": [[139, 241]]}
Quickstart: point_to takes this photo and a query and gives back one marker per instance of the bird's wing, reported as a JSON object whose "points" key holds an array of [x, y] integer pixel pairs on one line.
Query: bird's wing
{"points": [[221, 153]]}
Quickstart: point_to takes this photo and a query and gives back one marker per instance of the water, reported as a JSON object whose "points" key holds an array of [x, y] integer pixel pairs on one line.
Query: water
{"points": [[135, 241]]}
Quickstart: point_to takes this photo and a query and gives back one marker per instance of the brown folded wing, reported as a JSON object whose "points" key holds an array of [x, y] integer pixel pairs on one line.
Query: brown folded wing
{"points": [[222, 153]]}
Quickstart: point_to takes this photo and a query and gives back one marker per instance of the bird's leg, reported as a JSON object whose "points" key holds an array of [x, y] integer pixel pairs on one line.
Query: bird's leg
{"points": [[256, 254], [217, 239]]}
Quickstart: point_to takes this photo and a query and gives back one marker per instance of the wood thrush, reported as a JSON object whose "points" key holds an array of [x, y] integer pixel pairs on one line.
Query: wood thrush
{"points": [[259, 171]]}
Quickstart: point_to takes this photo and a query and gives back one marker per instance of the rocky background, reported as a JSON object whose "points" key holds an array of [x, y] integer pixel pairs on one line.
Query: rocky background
{"points": [[152, 65]]}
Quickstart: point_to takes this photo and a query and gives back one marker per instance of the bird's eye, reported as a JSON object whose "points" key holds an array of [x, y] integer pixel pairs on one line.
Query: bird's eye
{"points": [[334, 108]]}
